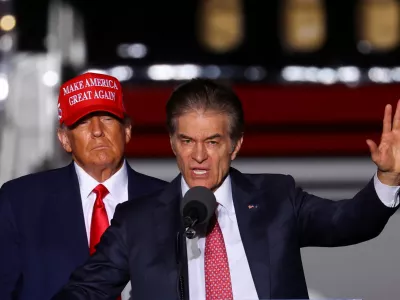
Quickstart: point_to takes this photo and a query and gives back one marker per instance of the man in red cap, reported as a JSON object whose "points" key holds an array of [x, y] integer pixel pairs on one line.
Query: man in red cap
{"points": [[50, 222]]}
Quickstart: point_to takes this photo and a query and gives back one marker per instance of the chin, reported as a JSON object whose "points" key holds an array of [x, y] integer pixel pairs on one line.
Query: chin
{"points": [[103, 161], [103, 156], [200, 182]]}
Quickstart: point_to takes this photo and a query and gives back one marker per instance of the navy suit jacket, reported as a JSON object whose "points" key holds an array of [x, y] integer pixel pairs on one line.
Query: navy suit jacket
{"points": [[42, 230], [275, 220]]}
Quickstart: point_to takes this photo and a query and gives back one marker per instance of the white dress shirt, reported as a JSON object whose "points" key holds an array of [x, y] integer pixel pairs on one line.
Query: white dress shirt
{"points": [[117, 185], [243, 287]]}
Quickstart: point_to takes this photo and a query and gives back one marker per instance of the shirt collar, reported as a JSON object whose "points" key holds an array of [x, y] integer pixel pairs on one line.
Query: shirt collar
{"points": [[223, 194], [116, 184]]}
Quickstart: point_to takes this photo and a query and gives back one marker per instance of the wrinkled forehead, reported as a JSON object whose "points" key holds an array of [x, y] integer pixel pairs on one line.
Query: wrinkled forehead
{"points": [[202, 124]]}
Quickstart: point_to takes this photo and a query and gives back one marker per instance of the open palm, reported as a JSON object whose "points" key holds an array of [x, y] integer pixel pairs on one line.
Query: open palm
{"points": [[387, 155]]}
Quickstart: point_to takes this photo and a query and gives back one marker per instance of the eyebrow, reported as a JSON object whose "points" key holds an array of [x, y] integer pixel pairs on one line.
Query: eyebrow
{"points": [[184, 137], [214, 136]]}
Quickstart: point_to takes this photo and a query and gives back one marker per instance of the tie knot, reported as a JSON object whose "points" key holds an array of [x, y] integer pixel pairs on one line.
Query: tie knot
{"points": [[100, 191]]}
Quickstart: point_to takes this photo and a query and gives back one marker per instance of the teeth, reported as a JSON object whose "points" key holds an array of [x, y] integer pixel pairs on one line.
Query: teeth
{"points": [[199, 172]]}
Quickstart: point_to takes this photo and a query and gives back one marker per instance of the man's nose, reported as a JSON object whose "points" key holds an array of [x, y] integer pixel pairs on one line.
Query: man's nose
{"points": [[199, 153], [96, 127]]}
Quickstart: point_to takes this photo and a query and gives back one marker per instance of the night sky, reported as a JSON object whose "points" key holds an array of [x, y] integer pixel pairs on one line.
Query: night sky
{"points": [[167, 28]]}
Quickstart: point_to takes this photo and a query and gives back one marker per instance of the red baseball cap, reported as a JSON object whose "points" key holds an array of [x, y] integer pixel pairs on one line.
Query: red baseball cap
{"points": [[88, 93]]}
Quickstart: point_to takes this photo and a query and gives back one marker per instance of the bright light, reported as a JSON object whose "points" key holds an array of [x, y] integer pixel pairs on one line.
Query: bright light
{"points": [[211, 72], [132, 50], [311, 74], [3, 87], [50, 78], [7, 22], [122, 73], [186, 72], [395, 74], [293, 73], [137, 50], [349, 74], [255, 73], [169, 72], [378, 74], [122, 50], [327, 76], [161, 72], [6, 43]]}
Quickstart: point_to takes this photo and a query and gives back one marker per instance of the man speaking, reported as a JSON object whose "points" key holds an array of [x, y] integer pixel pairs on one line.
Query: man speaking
{"points": [[51, 221], [250, 248]]}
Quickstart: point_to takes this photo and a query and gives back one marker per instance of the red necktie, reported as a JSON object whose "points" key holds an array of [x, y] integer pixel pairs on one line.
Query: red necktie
{"points": [[99, 217], [216, 266]]}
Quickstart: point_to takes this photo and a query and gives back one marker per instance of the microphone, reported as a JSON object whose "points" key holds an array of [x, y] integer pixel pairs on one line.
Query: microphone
{"points": [[197, 208]]}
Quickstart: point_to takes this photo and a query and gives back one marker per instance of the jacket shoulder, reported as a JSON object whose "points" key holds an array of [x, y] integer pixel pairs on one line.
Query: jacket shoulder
{"points": [[38, 180], [270, 180], [156, 182], [146, 201]]}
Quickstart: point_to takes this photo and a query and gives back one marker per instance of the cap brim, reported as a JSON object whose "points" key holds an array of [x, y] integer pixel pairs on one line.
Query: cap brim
{"points": [[92, 109]]}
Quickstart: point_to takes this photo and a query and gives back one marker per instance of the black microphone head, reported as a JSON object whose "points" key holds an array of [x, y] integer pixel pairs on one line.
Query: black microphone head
{"points": [[199, 202]]}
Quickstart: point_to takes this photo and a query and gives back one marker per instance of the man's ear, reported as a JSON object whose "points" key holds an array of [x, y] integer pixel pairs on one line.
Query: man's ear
{"points": [[128, 133], [64, 139]]}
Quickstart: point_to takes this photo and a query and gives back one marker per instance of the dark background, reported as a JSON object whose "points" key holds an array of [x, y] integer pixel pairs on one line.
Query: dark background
{"points": [[168, 28]]}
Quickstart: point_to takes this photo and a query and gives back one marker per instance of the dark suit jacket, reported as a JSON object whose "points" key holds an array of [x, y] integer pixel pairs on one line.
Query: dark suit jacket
{"points": [[275, 220], [42, 230]]}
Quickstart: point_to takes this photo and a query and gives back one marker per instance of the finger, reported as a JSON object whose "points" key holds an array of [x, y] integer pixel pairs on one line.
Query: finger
{"points": [[387, 119], [396, 119], [373, 148]]}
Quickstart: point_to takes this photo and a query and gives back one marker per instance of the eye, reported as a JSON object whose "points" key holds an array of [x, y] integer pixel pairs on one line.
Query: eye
{"points": [[186, 141], [212, 143], [83, 122]]}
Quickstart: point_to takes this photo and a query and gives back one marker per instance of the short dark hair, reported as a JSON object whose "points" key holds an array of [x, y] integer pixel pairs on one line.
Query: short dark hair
{"points": [[205, 94]]}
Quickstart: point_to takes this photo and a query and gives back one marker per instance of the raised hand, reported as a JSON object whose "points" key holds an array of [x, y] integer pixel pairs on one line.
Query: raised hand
{"points": [[387, 155]]}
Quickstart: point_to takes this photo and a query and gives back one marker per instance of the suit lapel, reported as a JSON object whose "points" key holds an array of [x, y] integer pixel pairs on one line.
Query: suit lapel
{"points": [[65, 213], [138, 184], [168, 209], [133, 184], [252, 217], [169, 230]]}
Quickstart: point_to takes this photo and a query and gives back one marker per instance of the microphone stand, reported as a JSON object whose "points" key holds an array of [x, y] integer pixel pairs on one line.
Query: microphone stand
{"points": [[183, 276], [189, 225]]}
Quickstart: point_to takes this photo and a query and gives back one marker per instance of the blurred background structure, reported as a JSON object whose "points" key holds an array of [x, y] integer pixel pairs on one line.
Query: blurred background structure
{"points": [[314, 77]]}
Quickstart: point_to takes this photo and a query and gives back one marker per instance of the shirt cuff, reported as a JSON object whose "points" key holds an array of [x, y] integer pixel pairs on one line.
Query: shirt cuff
{"points": [[389, 195]]}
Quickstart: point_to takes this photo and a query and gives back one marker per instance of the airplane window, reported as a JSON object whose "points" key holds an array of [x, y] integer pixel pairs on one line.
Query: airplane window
{"points": [[378, 24], [220, 25], [304, 25]]}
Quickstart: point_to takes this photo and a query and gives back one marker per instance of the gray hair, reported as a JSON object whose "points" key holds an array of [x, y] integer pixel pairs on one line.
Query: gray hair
{"points": [[203, 95]]}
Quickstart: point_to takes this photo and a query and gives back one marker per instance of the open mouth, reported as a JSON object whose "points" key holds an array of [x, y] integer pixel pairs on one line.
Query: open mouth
{"points": [[200, 172]]}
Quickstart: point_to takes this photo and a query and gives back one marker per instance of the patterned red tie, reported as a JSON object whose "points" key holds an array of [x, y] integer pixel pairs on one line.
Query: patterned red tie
{"points": [[99, 217], [216, 266]]}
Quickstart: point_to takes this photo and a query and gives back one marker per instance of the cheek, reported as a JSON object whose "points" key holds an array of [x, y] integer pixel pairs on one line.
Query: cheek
{"points": [[117, 138], [183, 160], [79, 142], [182, 153], [221, 161]]}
